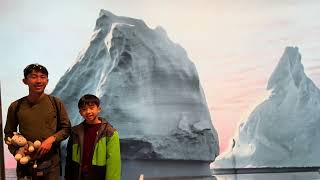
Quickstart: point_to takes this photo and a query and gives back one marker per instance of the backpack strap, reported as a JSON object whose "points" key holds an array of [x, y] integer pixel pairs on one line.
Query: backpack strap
{"points": [[53, 99], [15, 115], [55, 104], [17, 109]]}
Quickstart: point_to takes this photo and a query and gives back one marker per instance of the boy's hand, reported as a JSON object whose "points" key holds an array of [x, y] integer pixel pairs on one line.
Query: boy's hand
{"points": [[46, 146]]}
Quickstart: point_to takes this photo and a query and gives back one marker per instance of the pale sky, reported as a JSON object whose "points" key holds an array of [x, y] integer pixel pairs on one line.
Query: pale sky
{"points": [[235, 45]]}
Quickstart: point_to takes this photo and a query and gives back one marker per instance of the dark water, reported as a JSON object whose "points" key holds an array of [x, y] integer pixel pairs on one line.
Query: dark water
{"points": [[258, 176], [272, 176], [10, 175]]}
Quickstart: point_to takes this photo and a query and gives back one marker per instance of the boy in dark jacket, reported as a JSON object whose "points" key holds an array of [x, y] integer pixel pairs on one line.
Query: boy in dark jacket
{"points": [[93, 150]]}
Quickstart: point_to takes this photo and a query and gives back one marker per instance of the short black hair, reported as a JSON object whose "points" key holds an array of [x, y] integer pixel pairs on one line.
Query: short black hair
{"points": [[88, 99], [35, 67]]}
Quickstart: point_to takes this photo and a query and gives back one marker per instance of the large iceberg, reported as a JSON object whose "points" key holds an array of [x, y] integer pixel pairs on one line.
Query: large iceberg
{"points": [[283, 130], [149, 91]]}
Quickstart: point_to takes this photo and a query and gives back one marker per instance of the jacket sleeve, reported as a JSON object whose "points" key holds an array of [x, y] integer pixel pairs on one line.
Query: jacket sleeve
{"points": [[65, 125], [113, 158], [11, 126], [68, 160]]}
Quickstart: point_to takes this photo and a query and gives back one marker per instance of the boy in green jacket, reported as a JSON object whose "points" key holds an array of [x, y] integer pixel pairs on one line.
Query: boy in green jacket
{"points": [[93, 150]]}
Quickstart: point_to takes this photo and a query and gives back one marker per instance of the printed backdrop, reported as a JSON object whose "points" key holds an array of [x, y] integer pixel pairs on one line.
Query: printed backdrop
{"points": [[235, 45]]}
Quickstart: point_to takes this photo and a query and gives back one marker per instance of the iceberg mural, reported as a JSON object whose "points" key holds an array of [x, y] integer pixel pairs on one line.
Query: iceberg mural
{"points": [[282, 131], [149, 90]]}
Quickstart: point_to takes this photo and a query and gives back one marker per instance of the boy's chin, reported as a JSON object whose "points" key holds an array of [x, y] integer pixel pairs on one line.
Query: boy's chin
{"points": [[39, 91], [90, 121]]}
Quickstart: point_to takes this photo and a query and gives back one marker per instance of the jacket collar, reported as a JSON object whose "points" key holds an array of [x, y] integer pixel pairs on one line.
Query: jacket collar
{"points": [[79, 128]]}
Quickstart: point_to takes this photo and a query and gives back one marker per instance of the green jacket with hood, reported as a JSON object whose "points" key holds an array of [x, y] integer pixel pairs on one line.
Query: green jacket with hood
{"points": [[106, 161]]}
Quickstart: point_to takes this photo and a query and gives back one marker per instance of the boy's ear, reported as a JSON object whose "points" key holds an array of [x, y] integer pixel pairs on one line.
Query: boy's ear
{"points": [[24, 81]]}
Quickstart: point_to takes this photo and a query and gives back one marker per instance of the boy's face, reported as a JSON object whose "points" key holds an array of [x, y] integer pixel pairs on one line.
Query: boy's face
{"points": [[36, 82], [90, 112]]}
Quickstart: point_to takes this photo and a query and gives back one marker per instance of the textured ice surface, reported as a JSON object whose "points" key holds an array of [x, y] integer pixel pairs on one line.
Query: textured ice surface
{"points": [[149, 89], [284, 129]]}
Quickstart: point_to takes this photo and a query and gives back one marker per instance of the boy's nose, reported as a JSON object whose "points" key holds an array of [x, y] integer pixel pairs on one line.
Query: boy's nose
{"points": [[39, 79]]}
